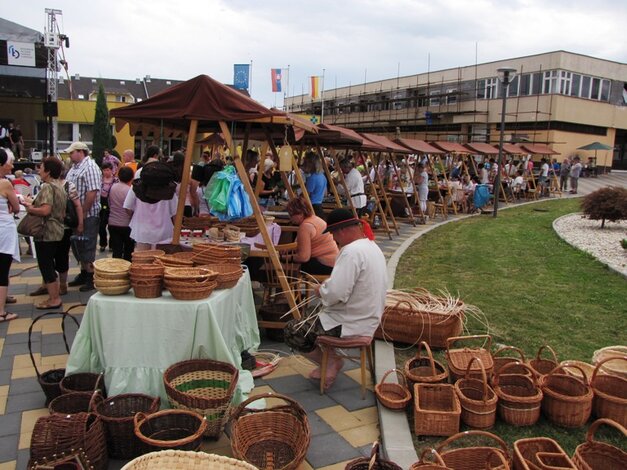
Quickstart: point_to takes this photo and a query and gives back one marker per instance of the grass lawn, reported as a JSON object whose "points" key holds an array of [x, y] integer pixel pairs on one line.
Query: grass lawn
{"points": [[533, 287]]}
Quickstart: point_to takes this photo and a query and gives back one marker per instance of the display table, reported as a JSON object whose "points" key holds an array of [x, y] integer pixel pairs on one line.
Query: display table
{"points": [[135, 340]]}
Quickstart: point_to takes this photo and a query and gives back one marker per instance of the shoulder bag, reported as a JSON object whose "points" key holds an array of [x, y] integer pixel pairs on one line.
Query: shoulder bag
{"points": [[71, 217], [32, 226]]}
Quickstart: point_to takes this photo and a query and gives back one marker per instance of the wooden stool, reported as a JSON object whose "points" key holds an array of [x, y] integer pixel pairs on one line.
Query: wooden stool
{"points": [[363, 343]]}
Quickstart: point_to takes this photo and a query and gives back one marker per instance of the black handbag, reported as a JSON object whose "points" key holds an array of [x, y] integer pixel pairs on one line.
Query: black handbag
{"points": [[71, 217]]}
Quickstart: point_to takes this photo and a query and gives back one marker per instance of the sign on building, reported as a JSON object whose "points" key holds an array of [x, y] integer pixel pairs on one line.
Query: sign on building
{"points": [[21, 53]]}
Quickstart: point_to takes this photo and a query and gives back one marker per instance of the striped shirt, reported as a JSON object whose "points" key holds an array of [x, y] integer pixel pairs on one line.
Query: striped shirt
{"points": [[86, 176]]}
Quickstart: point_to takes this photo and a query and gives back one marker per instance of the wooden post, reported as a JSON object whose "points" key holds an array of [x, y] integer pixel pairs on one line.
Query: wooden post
{"points": [[398, 177], [375, 194], [180, 208], [349, 199], [338, 201]]}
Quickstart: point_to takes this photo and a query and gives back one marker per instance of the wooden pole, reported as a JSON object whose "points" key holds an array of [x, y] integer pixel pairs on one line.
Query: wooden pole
{"points": [[183, 188], [336, 196], [388, 207], [375, 194]]}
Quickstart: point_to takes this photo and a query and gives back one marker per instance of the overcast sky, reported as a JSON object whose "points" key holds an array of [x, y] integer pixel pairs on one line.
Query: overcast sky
{"points": [[350, 39]]}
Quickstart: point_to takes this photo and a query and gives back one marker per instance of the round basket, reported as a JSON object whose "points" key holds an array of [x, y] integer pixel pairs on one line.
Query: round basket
{"points": [[567, 399], [500, 361], [594, 455], [477, 399], [188, 274], [83, 382], [111, 265], [610, 394], [197, 283], [584, 367], [110, 282], [73, 402], [275, 437], [113, 290], [204, 386], [149, 289], [185, 459], [146, 256], [476, 456], [182, 258], [424, 369], [192, 293], [423, 464], [208, 258], [458, 359], [614, 368], [520, 396], [117, 415], [170, 429], [394, 396], [542, 366], [228, 274], [103, 275], [151, 269]]}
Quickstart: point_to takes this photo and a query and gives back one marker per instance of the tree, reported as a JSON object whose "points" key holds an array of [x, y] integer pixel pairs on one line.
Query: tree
{"points": [[609, 203], [103, 138]]}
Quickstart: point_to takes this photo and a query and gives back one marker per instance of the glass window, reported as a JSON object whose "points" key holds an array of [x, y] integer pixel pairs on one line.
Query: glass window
{"points": [[536, 84], [513, 87], [525, 84], [605, 90], [565, 81], [65, 132], [481, 89], [585, 87], [490, 88], [550, 82], [451, 96], [575, 84], [434, 101], [86, 132], [596, 88]]}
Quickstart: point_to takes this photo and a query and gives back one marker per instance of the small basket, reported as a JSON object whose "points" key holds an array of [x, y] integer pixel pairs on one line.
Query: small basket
{"points": [[500, 361], [73, 402], [584, 367], [86, 382], [374, 462], [436, 410], [542, 366], [150, 289], [170, 429], [476, 457], [520, 396], [228, 274], [152, 269], [540, 453], [119, 289], [182, 258], [458, 359], [567, 399], [614, 368], [111, 266], [477, 399], [394, 396], [276, 437], [185, 459], [610, 394], [596, 455], [192, 293], [423, 464], [117, 415], [420, 369], [204, 386]]}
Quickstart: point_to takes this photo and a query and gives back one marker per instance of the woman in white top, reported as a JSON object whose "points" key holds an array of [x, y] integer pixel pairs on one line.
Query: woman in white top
{"points": [[422, 180], [9, 244]]}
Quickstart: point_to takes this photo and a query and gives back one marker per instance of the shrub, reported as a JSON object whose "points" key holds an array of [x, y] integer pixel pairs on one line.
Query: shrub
{"points": [[609, 203], [623, 243]]}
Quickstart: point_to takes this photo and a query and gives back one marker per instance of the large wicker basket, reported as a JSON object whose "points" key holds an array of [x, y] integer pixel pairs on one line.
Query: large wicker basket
{"points": [[170, 429], [185, 460], [395, 396], [86, 382], [542, 366], [520, 396], [276, 437], [147, 289], [614, 368], [567, 399], [146, 256], [475, 457], [477, 399], [540, 453], [204, 386], [610, 394], [421, 369], [596, 455], [374, 462], [500, 360], [459, 358], [73, 402], [436, 410], [424, 464]]}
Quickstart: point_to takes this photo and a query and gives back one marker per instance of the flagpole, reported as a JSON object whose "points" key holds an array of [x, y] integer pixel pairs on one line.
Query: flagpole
{"points": [[250, 79], [287, 94], [322, 99]]}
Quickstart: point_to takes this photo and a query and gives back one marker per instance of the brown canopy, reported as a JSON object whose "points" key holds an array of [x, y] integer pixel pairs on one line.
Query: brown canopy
{"points": [[384, 143], [450, 147], [513, 149], [539, 149], [334, 136], [483, 148], [418, 146], [213, 139]]}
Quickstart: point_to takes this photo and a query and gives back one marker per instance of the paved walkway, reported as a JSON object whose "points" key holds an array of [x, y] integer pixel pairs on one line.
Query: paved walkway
{"points": [[342, 425]]}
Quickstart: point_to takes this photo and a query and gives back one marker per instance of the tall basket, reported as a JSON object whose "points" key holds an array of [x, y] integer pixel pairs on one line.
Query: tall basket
{"points": [[567, 399], [520, 396], [459, 358], [610, 394], [424, 369], [596, 455], [475, 457], [477, 399]]}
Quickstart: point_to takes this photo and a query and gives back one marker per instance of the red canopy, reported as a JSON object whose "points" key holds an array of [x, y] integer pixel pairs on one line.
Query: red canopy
{"points": [[483, 148], [539, 149], [513, 149], [384, 143], [331, 135], [450, 147], [418, 146]]}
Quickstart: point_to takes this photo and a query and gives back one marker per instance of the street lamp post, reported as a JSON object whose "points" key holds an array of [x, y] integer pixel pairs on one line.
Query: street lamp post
{"points": [[506, 75]]}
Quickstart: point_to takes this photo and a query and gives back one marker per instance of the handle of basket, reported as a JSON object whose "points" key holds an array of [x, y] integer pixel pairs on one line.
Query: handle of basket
{"points": [[421, 345], [608, 359], [96, 399], [399, 374], [460, 435], [403, 301], [610, 422], [502, 464], [454, 339], [550, 349], [510, 348], [374, 455], [242, 406], [483, 375], [534, 377], [434, 453], [571, 366], [138, 420]]}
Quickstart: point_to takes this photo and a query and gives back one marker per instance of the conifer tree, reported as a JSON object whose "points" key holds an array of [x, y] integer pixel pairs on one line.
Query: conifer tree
{"points": [[103, 137]]}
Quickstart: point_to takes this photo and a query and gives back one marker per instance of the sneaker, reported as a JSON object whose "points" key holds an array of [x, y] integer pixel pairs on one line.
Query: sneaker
{"points": [[79, 280], [87, 286]]}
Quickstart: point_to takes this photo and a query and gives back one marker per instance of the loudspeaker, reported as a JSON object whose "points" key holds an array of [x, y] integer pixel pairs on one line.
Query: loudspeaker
{"points": [[51, 109]]}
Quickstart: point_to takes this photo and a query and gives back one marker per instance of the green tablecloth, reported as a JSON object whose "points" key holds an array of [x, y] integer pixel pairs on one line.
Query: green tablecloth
{"points": [[135, 340]]}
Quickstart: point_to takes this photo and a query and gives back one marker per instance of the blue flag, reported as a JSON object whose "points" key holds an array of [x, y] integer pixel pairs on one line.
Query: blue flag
{"points": [[241, 76]]}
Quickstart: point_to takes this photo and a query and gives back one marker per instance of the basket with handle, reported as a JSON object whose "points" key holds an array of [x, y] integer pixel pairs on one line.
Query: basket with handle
{"points": [[374, 462], [185, 459], [394, 396], [276, 437], [542, 366], [597, 455], [146, 256], [85, 382], [436, 410], [459, 358], [74, 402], [610, 393], [584, 367], [500, 360], [147, 289], [540, 453], [477, 399], [424, 464], [170, 429], [476, 457], [567, 399], [50, 380], [424, 369], [614, 368], [520, 396]]}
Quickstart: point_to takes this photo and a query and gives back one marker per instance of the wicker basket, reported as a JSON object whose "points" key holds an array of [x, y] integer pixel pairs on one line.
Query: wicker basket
{"points": [[276, 437], [86, 382], [374, 462], [73, 402], [111, 266], [520, 396], [420, 369], [567, 399], [185, 459], [436, 410], [152, 269], [614, 368], [146, 256], [500, 361], [204, 386], [113, 289], [596, 455], [584, 367], [540, 453], [74, 459], [477, 399], [181, 259], [423, 464], [192, 293], [188, 274], [394, 396], [542, 366], [610, 394], [50, 380], [476, 457], [170, 429], [117, 415], [199, 222], [58, 433], [148, 289], [458, 359]]}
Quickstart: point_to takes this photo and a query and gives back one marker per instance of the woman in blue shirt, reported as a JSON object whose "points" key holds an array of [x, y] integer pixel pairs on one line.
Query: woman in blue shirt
{"points": [[316, 182]]}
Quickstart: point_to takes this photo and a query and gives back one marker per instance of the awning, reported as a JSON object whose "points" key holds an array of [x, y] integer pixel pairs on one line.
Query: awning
{"points": [[513, 149], [385, 143], [482, 147], [450, 147], [539, 149], [418, 146]]}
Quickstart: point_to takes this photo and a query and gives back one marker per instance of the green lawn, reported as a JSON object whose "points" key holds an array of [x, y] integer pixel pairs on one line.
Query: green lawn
{"points": [[533, 287]]}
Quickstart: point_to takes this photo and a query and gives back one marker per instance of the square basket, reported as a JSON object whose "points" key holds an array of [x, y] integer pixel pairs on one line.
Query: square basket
{"points": [[436, 410]]}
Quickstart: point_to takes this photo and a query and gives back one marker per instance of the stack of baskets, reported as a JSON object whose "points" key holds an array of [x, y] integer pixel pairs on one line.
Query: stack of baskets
{"points": [[146, 256], [147, 279], [180, 259], [190, 283], [209, 253], [111, 276], [227, 274]]}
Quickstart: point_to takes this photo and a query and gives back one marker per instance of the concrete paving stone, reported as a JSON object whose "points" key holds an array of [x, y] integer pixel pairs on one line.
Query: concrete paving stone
{"points": [[343, 382], [350, 398], [327, 449], [365, 450], [72, 297], [23, 310], [10, 424], [54, 348], [290, 384], [23, 456], [18, 348], [8, 444], [24, 386], [26, 401], [5, 376], [18, 288], [21, 338], [311, 399], [317, 425]]}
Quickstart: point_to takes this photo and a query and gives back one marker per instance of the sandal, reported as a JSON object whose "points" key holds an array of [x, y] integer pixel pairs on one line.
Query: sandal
{"points": [[47, 306], [8, 316], [11, 300]]}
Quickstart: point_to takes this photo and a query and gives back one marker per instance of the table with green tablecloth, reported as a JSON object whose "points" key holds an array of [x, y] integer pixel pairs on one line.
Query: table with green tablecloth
{"points": [[133, 341]]}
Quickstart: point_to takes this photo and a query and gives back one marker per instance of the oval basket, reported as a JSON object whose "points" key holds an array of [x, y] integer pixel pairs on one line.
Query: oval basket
{"points": [[192, 293], [188, 273], [610, 394], [170, 429], [185, 459], [500, 361], [424, 464], [111, 265], [520, 396], [477, 399], [567, 399], [421, 369], [113, 290], [395, 396], [374, 462], [542, 366], [595, 455], [475, 457]]}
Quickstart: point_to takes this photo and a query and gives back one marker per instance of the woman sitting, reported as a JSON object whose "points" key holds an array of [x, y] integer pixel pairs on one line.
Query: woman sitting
{"points": [[316, 251]]}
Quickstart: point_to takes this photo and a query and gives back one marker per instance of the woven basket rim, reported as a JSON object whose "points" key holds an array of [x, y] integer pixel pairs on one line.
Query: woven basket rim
{"points": [[187, 457], [117, 290], [111, 265]]}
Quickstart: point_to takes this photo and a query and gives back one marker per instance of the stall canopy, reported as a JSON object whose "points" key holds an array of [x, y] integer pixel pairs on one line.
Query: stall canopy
{"points": [[418, 146], [450, 147], [384, 143], [514, 149], [539, 149], [482, 148], [213, 139]]}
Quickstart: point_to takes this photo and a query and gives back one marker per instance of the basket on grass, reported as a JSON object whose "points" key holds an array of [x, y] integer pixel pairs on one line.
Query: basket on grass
{"points": [[477, 399], [584, 367], [204, 386], [475, 457], [394, 396], [185, 459], [59, 433], [424, 464], [610, 393], [111, 268], [436, 410], [614, 368], [567, 399], [500, 360], [540, 453], [597, 455], [520, 396], [542, 366], [146, 256], [276, 437], [421, 369], [170, 429], [74, 402], [85, 382], [459, 358], [50, 380], [374, 462], [228, 274], [117, 415]]}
